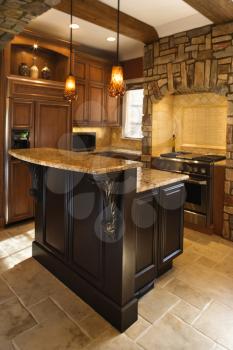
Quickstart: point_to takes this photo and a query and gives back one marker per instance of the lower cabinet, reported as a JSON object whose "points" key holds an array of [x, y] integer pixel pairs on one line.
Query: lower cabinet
{"points": [[146, 222], [21, 204], [171, 218], [158, 217]]}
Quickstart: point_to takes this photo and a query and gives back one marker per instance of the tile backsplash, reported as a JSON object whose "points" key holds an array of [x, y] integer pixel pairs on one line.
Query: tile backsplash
{"points": [[197, 120], [111, 137]]}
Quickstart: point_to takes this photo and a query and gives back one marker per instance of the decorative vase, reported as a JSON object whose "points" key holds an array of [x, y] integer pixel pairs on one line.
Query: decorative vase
{"points": [[34, 71], [46, 72], [24, 70]]}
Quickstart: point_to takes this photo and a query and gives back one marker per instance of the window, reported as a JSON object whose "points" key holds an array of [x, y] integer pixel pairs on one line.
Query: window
{"points": [[132, 114]]}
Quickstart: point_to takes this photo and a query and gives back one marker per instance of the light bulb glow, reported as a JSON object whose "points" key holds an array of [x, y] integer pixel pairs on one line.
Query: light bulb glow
{"points": [[117, 85], [111, 39], [74, 26], [70, 92]]}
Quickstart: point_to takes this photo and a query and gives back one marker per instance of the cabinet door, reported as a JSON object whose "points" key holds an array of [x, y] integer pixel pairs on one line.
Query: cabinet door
{"points": [[80, 70], [146, 223], [80, 107], [112, 110], [20, 202], [96, 73], [171, 223], [53, 125], [22, 113], [96, 104]]}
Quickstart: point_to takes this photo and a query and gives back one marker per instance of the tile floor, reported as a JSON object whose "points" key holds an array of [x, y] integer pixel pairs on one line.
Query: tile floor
{"points": [[190, 308]]}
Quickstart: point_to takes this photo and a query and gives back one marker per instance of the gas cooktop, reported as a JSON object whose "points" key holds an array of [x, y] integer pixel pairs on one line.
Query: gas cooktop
{"points": [[208, 158]]}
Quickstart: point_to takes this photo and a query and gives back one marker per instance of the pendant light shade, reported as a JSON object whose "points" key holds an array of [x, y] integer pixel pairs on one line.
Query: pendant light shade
{"points": [[117, 85], [70, 92]]}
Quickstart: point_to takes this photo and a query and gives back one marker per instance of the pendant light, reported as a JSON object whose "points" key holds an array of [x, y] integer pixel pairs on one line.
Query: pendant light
{"points": [[70, 92], [117, 85]]}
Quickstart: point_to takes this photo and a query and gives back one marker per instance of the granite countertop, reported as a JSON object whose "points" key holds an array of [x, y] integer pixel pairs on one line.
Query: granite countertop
{"points": [[117, 150], [148, 179], [73, 161]]}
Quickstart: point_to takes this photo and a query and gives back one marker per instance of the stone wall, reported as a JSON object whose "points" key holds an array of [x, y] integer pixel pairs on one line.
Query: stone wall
{"points": [[199, 60], [16, 14]]}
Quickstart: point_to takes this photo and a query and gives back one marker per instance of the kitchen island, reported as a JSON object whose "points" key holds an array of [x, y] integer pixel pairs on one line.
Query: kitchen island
{"points": [[93, 229]]}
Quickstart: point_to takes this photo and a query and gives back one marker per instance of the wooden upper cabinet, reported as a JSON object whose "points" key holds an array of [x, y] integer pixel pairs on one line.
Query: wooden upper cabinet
{"points": [[96, 104], [112, 111], [80, 70], [96, 73], [80, 107], [52, 125], [22, 113]]}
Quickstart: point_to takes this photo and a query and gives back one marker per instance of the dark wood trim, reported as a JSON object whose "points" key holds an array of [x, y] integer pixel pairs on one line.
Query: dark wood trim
{"points": [[218, 11], [105, 16], [133, 69]]}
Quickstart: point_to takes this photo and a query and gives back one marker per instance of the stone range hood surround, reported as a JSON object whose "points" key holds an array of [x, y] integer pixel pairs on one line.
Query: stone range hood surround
{"points": [[199, 60]]}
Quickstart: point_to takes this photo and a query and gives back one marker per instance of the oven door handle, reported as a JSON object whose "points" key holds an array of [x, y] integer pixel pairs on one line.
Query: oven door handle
{"points": [[198, 182]]}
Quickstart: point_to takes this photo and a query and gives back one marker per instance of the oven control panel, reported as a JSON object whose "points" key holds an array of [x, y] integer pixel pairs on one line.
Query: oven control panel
{"points": [[187, 167]]}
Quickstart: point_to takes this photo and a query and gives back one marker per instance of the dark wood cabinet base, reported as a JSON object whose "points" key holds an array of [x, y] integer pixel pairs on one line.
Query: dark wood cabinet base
{"points": [[120, 317]]}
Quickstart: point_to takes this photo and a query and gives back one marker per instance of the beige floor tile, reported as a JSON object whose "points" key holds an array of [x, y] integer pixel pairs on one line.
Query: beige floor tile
{"points": [[14, 319], [5, 292], [103, 340], [72, 304], [94, 325], [45, 310], [155, 304], [6, 344], [187, 258], [192, 296], [163, 280], [60, 334], [208, 250], [216, 285], [207, 262], [23, 254], [31, 282], [225, 266], [217, 323], [137, 328], [185, 311], [170, 333], [121, 342], [7, 263]]}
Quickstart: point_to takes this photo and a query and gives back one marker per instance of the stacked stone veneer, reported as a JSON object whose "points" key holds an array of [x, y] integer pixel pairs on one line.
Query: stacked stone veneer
{"points": [[16, 14], [199, 60]]}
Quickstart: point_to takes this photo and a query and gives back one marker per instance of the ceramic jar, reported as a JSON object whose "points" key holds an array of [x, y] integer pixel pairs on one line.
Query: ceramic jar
{"points": [[24, 70], [34, 71], [45, 72]]}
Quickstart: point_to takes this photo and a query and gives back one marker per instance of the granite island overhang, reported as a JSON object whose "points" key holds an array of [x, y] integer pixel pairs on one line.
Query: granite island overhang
{"points": [[86, 230]]}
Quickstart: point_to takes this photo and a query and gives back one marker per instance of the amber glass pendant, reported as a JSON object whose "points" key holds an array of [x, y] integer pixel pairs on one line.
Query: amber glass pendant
{"points": [[70, 92], [117, 85]]}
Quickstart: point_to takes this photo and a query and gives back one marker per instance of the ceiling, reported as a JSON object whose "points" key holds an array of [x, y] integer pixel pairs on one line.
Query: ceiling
{"points": [[167, 16]]}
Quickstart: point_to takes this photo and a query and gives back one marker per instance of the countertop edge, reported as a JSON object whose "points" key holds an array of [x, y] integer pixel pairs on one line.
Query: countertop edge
{"points": [[75, 168]]}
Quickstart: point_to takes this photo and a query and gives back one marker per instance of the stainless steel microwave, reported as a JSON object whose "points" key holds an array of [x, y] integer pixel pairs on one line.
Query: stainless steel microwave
{"points": [[83, 141]]}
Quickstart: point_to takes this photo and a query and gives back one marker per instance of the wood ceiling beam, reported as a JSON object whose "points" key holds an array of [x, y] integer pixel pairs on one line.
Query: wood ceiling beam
{"points": [[218, 11], [105, 16]]}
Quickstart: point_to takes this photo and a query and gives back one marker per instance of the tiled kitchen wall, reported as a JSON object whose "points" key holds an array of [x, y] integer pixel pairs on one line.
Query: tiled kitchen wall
{"points": [[200, 122], [103, 135], [111, 137], [119, 142], [162, 126], [197, 120]]}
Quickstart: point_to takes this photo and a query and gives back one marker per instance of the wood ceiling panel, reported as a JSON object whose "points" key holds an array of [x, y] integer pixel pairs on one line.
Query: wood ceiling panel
{"points": [[218, 11], [105, 16]]}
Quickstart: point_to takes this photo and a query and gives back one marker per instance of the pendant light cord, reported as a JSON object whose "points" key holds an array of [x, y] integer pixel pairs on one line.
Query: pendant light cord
{"points": [[118, 30], [71, 34]]}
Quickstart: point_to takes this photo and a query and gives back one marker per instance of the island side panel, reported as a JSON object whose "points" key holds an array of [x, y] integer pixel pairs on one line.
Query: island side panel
{"points": [[85, 236]]}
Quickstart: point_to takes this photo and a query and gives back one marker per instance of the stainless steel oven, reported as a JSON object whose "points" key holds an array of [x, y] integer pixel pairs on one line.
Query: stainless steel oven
{"points": [[196, 195]]}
